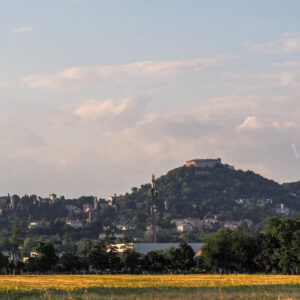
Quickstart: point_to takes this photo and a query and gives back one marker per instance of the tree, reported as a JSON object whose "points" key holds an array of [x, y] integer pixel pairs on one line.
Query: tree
{"points": [[113, 257], [186, 257], [84, 247], [45, 256], [130, 258], [284, 231], [70, 262], [4, 263], [155, 262], [15, 240], [229, 251], [98, 256], [267, 255], [173, 256]]}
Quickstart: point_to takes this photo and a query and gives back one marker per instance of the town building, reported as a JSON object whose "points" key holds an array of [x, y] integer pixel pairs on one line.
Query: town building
{"points": [[156, 227], [241, 201], [125, 227], [53, 197], [96, 203], [72, 209], [185, 227], [116, 235], [74, 224], [282, 210], [203, 163], [196, 223], [87, 207], [34, 224], [178, 222], [112, 200], [232, 225]]}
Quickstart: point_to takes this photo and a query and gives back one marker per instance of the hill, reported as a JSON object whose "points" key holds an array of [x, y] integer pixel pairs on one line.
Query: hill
{"points": [[232, 197], [221, 190]]}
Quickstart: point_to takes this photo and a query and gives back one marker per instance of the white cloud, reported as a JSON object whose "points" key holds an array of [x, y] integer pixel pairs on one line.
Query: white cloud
{"points": [[73, 77], [250, 123], [287, 64], [112, 116], [22, 30], [92, 109], [276, 47], [284, 125]]}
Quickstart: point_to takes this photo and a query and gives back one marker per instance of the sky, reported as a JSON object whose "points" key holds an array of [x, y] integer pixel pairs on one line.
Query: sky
{"points": [[95, 96]]}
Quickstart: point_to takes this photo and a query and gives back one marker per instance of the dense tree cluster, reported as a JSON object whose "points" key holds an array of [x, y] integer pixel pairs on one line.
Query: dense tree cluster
{"points": [[275, 250]]}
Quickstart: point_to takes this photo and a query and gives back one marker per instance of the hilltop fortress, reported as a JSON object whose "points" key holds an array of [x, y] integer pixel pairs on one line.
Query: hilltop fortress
{"points": [[203, 163]]}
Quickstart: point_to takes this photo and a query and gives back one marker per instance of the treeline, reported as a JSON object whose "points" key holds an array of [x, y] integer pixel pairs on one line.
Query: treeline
{"points": [[276, 250]]}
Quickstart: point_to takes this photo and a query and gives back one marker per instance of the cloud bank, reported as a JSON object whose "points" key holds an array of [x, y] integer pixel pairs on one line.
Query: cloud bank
{"points": [[73, 77]]}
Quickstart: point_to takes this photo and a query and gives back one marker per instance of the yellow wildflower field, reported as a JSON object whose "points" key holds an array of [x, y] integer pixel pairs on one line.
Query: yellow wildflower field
{"points": [[74, 282]]}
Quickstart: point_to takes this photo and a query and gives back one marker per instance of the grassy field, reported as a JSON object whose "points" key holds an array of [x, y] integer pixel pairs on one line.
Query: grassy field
{"points": [[186, 287]]}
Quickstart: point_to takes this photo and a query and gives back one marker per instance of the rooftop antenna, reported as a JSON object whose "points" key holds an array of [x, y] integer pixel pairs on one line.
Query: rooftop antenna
{"points": [[154, 194]]}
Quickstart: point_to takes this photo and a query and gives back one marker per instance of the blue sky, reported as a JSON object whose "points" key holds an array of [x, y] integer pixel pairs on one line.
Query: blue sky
{"points": [[98, 95]]}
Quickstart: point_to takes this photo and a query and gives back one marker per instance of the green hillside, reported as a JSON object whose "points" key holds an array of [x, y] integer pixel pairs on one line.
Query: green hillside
{"points": [[186, 192]]}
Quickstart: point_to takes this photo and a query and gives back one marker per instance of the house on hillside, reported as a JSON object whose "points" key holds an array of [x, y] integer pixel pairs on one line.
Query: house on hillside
{"points": [[74, 224], [282, 210], [87, 207], [125, 227], [52, 198], [232, 225], [185, 227], [156, 227], [34, 224], [116, 235], [241, 201], [111, 201], [265, 201], [178, 222], [73, 209]]}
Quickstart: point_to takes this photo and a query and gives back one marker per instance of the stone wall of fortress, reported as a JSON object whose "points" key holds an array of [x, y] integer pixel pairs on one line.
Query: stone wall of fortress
{"points": [[203, 163]]}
